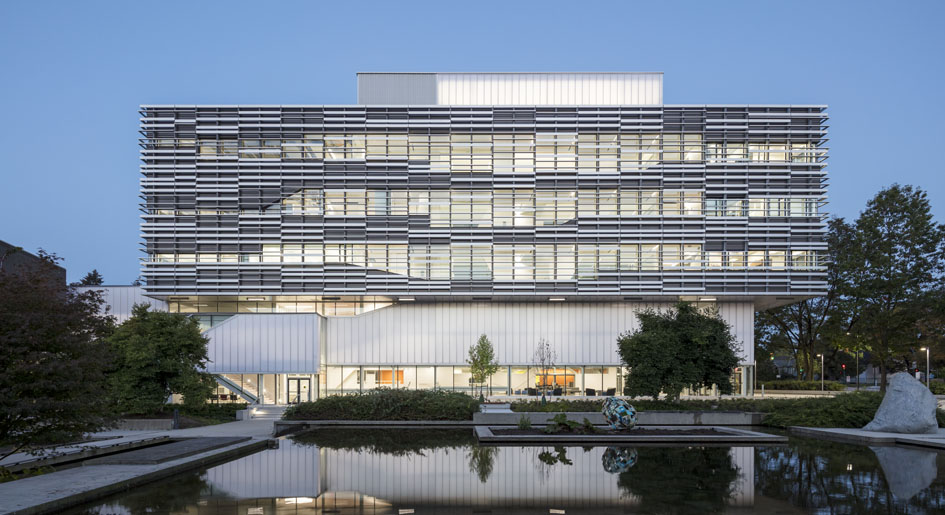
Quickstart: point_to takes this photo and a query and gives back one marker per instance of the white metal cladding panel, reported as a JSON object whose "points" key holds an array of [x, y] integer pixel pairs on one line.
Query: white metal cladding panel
{"points": [[291, 470], [121, 299], [518, 478], [265, 344], [397, 88], [441, 333], [549, 88], [741, 316]]}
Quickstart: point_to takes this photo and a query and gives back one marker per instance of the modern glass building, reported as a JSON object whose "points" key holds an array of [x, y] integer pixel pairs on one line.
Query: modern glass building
{"points": [[331, 249]]}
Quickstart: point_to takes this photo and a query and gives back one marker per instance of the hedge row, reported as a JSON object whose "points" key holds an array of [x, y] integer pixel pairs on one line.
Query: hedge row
{"points": [[853, 409], [388, 404], [794, 384]]}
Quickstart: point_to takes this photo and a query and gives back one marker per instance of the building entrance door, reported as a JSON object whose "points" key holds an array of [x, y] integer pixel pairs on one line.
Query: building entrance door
{"points": [[299, 390]]}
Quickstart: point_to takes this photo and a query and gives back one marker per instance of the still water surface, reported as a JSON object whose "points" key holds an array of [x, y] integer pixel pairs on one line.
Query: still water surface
{"points": [[394, 471]]}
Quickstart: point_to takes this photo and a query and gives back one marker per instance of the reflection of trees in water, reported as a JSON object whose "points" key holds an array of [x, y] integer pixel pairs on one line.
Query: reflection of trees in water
{"points": [[681, 479], [843, 478], [481, 461], [393, 441], [551, 458], [176, 495], [545, 459]]}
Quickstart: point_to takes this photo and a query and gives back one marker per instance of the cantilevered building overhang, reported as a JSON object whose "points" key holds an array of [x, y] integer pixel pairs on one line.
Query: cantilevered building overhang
{"points": [[448, 195]]}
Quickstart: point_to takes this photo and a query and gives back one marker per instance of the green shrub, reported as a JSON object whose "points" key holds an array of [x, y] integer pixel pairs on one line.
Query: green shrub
{"points": [[223, 412], [937, 387], [848, 410], [561, 424], [557, 406], [587, 427], [388, 404], [524, 423], [854, 409], [791, 384]]}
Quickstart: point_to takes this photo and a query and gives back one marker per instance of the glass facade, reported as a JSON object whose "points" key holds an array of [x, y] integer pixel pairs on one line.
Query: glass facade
{"points": [[561, 380]]}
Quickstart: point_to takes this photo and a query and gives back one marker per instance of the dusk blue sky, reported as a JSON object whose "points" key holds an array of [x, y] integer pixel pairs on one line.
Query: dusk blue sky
{"points": [[74, 74]]}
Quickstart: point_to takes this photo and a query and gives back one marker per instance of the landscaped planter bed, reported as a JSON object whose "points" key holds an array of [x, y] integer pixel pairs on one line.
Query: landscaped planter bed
{"points": [[499, 431], [652, 435]]}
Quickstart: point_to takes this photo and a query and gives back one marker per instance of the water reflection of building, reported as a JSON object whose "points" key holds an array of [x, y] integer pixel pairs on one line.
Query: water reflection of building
{"points": [[340, 478]]}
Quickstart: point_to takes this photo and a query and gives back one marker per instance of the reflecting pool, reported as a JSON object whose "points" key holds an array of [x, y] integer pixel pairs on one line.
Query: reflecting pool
{"points": [[397, 471]]}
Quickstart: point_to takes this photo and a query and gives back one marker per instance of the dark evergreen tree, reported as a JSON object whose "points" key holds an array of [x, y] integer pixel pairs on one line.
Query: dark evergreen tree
{"points": [[92, 278]]}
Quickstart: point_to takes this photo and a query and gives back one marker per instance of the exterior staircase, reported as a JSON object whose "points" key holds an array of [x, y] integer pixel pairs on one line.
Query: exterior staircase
{"points": [[263, 412]]}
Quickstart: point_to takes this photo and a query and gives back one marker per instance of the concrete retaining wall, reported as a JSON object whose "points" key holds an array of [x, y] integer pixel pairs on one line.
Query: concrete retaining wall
{"points": [[644, 418], [647, 418]]}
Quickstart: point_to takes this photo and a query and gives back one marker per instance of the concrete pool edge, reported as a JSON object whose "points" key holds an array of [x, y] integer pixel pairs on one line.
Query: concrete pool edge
{"points": [[644, 418], [861, 437], [45, 493], [730, 435]]}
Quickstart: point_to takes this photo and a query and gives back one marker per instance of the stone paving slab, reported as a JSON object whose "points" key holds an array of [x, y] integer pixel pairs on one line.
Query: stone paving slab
{"points": [[123, 437], [859, 436], [68, 453], [167, 451], [53, 492]]}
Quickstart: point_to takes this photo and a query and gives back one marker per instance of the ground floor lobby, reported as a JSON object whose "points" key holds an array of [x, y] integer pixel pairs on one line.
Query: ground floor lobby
{"points": [[508, 381]]}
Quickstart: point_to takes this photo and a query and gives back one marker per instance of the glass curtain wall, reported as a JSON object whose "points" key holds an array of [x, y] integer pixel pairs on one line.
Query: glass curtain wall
{"points": [[561, 380]]}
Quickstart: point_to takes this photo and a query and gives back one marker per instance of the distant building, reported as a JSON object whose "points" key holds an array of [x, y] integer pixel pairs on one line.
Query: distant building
{"points": [[14, 259]]}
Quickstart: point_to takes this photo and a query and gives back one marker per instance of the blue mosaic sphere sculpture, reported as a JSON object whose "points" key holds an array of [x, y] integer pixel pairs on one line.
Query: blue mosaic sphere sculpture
{"points": [[618, 459], [619, 414]]}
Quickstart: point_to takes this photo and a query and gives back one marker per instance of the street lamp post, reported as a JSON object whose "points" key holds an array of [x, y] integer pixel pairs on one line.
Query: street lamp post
{"points": [[857, 370], [926, 349], [821, 372], [856, 349]]}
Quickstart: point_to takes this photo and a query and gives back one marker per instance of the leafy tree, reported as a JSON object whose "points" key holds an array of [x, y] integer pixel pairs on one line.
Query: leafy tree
{"points": [[158, 354], [482, 363], [92, 278], [895, 283], [679, 348], [805, 328], [54, 358]]}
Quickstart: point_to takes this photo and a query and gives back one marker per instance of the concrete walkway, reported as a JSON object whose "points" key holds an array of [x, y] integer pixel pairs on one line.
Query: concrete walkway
{"points": [[72, 486], [251, 428], [859, 436]]}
